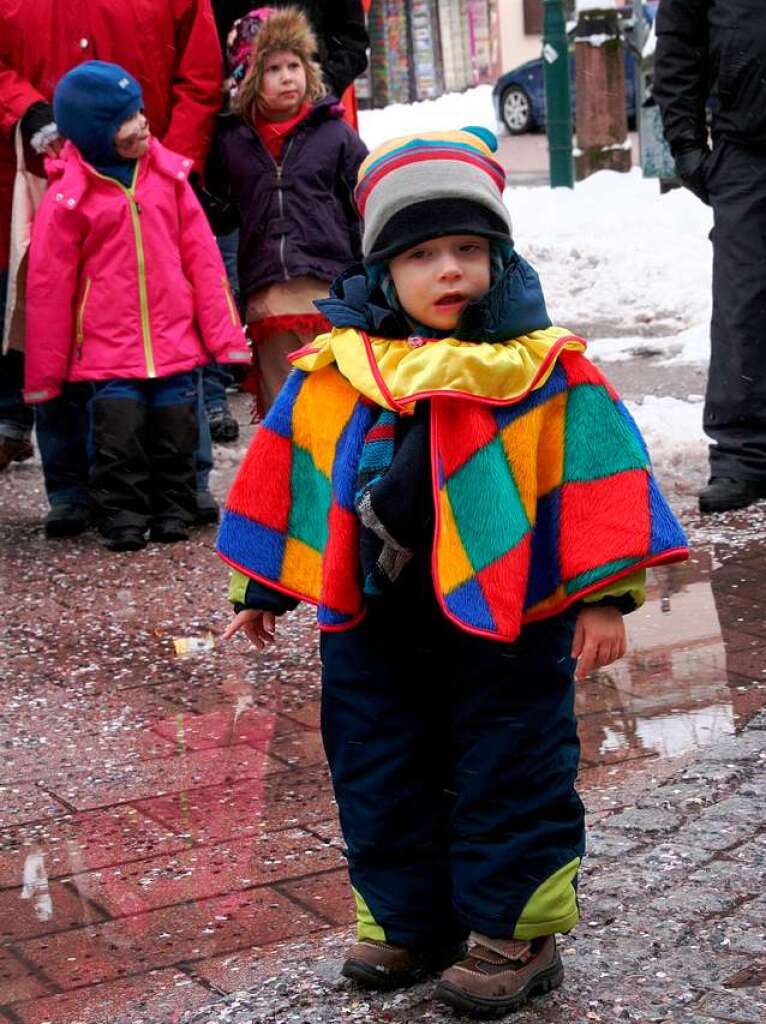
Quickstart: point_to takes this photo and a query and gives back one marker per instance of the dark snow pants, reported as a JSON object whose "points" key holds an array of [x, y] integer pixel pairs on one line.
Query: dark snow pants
{"points": [[735, 404], [453, 760], [144, 437]]}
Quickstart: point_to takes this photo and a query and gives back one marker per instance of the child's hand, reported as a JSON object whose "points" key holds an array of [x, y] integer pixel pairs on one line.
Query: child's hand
{"points": [[599, 638], [259, 627]]}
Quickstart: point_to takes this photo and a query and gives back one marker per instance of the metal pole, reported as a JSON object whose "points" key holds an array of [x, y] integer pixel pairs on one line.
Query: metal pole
{"points": [[558, 107]]}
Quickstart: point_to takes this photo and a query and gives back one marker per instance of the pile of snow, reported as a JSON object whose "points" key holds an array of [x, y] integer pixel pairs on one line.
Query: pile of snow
{"points": [[621, 264], [447, 112], [672, 429], [596, 5]]}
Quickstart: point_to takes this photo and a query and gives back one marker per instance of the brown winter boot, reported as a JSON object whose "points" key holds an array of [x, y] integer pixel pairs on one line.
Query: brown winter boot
{"points": [[499, 975], [382, 965]]}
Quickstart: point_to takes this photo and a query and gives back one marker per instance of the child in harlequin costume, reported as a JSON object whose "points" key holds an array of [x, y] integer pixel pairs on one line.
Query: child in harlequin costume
{"points": [[284, 167], [471, 508]]}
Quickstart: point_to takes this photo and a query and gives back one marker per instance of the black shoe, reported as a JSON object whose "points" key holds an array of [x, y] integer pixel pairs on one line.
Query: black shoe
{"points": [[223, 426], [125, 538], [207, 509], [67, 520], [14, 449], [724, 493], [169, 531]]}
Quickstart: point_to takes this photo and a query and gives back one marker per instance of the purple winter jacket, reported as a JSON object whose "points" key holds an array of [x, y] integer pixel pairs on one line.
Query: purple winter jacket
{"points": [[296, 217]]}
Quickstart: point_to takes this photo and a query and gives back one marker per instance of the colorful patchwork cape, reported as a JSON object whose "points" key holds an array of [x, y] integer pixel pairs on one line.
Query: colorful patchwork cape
{"points": [[542, 484]]}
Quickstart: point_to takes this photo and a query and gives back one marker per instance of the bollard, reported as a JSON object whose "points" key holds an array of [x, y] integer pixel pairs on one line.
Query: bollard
{"points": [[558, 107], [601, 118]]}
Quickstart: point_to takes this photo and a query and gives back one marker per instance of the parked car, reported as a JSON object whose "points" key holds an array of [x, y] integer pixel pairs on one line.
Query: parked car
{"points": [[519, 94]]}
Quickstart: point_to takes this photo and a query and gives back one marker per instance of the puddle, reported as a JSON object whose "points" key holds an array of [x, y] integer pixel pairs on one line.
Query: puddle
{"points": [[688, 679]]}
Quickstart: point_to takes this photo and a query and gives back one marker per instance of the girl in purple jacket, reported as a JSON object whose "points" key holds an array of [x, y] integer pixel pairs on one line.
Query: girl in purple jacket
{"points": [[284, 170]]}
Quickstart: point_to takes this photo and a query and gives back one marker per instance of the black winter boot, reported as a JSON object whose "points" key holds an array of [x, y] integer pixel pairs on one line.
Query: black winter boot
{"points": [[168, 531], [125, 538], [67, 520], [724, 493]]}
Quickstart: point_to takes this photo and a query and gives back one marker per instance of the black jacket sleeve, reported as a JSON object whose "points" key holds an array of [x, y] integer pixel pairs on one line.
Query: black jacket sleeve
{"points": [[351, 159], [682, 72], [259, 596], [216, 195], [345, 43]]}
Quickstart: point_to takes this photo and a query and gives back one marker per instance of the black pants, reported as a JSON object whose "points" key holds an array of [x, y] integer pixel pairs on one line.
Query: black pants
{"points": [[453, 760], [144, 436], [735, 403]]}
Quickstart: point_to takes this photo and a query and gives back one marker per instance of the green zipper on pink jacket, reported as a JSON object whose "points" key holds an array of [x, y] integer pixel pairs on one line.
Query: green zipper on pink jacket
{"points": [[135, 217]]}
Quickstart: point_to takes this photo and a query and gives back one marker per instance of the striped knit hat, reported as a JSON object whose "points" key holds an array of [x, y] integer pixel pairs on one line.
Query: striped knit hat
{"points": [[424, 186]]}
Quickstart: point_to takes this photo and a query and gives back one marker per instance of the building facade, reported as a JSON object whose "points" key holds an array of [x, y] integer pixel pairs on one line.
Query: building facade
{"points": [[422, 48]]}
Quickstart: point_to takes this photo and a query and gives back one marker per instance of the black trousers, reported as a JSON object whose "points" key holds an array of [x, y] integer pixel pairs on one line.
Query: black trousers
{"points": [[453, 761], [735, 403], [144, 437]]}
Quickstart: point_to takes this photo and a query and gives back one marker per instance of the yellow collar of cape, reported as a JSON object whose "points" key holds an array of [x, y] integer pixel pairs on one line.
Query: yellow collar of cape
{"points": [[394, 374]]}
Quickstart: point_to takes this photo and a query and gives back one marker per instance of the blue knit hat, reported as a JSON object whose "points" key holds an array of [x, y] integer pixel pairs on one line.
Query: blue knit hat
{"points": [[90, 104]]}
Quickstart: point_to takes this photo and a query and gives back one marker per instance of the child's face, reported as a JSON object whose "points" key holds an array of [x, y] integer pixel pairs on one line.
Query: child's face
{"points": [[437, 279], [283, 87], [132, 140]]}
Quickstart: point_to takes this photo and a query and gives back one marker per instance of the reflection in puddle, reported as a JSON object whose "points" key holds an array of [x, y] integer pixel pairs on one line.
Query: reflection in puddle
{"points": [[676, 733], [35, 885], [676, 689]]}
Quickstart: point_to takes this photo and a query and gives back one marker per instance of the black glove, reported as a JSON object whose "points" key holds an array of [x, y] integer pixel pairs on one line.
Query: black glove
{"points": [[691, 165], [37, 117]]}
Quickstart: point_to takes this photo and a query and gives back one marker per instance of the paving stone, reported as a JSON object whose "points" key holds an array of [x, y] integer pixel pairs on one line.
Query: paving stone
{"points": [[669, 858], [716, 774], [18, 981], [740, 880], [205, 871], [214, 813], [735, 1007], [159, 938], [715, 833], [605, 846], [744, 934], [52, 907], [690, 902], [647, 820], [328, 896], [24, 801], [157, 995], [90, 840], [129, 783]]}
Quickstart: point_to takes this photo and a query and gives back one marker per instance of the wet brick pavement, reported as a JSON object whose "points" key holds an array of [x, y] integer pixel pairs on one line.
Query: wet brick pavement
{"points": [[672, 929], [168, 835]]}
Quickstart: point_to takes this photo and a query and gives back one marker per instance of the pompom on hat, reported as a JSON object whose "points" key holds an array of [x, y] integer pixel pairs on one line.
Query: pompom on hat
{"points": [[239, 42], [425, 186]]}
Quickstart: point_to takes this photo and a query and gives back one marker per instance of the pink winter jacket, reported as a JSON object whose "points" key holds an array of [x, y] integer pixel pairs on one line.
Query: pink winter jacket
{"points": [[124, 282]]}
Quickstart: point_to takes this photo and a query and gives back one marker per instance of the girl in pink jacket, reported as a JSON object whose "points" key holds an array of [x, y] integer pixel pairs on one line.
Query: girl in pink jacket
{"points": [[126, 290]]}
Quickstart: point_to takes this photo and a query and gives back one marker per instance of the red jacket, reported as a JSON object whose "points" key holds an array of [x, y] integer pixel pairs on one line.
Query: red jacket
{"points": [[124, 282], [171, 46]]}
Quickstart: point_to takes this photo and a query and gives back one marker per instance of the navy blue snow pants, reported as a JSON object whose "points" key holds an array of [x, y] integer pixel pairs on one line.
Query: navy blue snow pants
{"points": [[453, 761]]}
